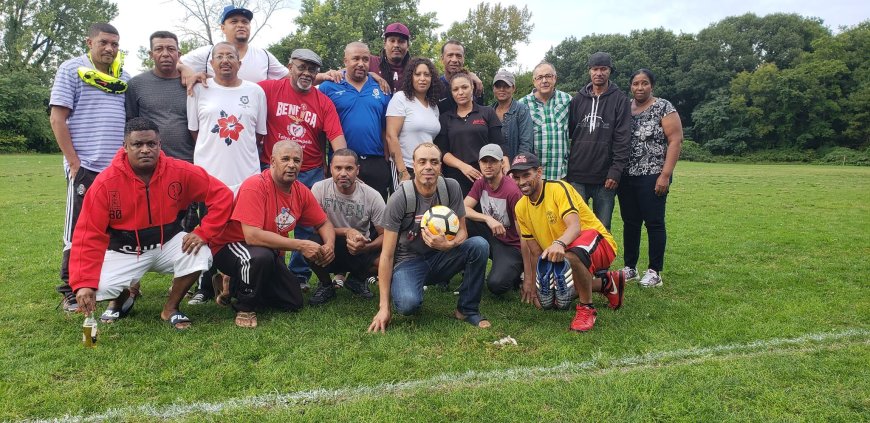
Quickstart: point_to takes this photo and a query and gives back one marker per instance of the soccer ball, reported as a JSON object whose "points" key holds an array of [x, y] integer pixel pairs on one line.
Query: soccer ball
{"points": [[441, 220]]}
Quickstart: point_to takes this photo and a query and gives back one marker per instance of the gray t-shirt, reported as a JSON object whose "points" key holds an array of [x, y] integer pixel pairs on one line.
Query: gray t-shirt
{"points": [[164, 101], [411, 244], [358, 211]]}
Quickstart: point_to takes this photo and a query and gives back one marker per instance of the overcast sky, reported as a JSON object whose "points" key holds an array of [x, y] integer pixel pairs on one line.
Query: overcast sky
{"points": [[554, 20]]}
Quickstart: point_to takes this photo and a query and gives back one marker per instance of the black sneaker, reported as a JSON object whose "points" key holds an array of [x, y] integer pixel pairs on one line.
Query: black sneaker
{"points": [[322, 295], [358, 287], [201, 297], [69, 303]]}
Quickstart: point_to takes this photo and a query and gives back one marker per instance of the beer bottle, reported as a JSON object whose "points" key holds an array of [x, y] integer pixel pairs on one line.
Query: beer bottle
{"points": [[89, 331]]}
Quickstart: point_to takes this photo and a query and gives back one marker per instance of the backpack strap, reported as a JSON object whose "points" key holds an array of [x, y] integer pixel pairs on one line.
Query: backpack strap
{"points": [[443, 193]]}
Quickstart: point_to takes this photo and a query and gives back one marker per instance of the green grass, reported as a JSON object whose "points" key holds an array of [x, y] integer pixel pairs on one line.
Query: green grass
{"points": [[755, 253]]}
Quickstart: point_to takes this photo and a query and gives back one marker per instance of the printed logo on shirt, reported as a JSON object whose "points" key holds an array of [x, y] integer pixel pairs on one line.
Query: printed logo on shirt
{"points": [[228, 127], [376, 93], [284, 220], [114, 205], [551, 218], [244, 99], [174, 190], [295, 130], [297, 113], [478, 122]]}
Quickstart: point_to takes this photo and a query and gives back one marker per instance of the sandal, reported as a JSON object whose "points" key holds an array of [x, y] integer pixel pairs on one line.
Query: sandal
{"points": [[134, 293], [179, 321], [477, 320], [110, 316], [246, 319]]}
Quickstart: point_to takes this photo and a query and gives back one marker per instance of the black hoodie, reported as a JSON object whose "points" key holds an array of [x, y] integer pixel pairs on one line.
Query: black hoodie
{"points": [[600, 130]]}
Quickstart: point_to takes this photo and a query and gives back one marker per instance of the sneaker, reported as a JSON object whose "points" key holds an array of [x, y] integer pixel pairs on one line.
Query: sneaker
{"points": [[358, 287], [322, 295], [69, 303], [651, 279], [630, 273], [544, 283], [617, 288], [304, 286], [563, 280], [201, 297], [584, 320], [372, 280]]}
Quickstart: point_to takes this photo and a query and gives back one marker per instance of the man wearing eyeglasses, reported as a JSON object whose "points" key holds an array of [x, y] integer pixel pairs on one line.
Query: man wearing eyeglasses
{"points": [[298, 112], [549, 109]]}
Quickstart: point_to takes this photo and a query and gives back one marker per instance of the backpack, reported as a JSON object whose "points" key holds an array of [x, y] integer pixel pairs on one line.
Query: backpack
{"points": [[410, 192]]}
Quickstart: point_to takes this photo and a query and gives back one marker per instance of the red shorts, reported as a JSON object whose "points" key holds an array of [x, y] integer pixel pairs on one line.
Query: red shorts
{"points": [[593, 250]]}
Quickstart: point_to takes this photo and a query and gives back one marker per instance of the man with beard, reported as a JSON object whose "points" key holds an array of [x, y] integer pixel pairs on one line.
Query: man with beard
{"points": [[128, 225], [251, 248], [300, 113], [354, 209], [390, 65], [87, 119], [600, 130], [362, 107]]}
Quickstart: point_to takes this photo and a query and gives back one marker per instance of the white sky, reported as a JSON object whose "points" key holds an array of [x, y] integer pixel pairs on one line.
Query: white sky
{"points": [[554, 20]]}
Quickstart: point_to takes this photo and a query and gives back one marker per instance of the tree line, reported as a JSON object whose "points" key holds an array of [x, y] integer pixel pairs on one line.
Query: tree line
{"points": [[742, 84]]}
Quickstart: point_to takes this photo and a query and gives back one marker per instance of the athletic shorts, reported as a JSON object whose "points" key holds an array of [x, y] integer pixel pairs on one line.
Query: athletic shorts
{"points": [[593, 250], [121, 269]]}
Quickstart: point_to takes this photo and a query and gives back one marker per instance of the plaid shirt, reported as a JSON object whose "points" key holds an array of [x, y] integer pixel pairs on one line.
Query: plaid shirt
{"points": [[551, 132]]}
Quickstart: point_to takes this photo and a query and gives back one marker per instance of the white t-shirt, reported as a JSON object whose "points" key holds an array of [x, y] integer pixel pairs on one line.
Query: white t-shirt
{"points": [[257, 64], [227, 119], [421, 124]]}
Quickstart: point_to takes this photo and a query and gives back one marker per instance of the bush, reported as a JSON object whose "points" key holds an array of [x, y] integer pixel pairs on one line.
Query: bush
{"points": [[724, 147], [780, 156], [693, 152], [843, 155], [12, 143]]}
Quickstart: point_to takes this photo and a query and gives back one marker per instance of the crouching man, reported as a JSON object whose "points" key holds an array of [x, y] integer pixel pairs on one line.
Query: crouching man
{"points": [[129, 225], [421, 258], [251, 248]]}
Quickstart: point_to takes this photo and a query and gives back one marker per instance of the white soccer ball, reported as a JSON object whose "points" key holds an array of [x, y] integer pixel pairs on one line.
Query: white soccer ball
{"points": [[441, 220]]}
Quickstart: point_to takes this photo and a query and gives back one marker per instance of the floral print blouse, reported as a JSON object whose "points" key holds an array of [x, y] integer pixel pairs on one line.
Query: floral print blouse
{"points": [[648, 141]]}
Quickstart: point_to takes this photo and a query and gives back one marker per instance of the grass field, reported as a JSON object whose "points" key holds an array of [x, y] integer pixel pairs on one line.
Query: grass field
{"points": [[764, 316]]}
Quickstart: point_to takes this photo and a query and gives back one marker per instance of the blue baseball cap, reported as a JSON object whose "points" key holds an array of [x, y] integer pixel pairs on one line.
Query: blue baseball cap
{"points": [[233, 10]]}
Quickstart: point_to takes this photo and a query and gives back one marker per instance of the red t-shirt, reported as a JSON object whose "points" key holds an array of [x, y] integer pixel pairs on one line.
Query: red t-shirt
{"points": [[301, 117], [261, 204]]}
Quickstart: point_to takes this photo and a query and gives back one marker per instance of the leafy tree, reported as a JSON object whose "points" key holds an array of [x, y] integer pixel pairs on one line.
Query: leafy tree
{"points": [[205, 16], [327, 26]]}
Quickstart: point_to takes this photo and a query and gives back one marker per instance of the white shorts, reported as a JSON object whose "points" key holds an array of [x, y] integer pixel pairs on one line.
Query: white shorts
{"points": [[120, 270]]}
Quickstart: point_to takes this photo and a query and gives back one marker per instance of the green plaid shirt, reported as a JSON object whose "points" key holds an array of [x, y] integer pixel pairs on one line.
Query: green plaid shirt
{"points": [[551, 132]]}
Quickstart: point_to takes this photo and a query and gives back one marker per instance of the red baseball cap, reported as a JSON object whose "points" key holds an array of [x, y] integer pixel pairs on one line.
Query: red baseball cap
{"points": [[397, 28]]}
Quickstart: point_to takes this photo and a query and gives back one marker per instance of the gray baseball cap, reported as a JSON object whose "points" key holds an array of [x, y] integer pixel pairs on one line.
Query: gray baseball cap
{"points": [[505, 76], [306, 55], [491, 150]]}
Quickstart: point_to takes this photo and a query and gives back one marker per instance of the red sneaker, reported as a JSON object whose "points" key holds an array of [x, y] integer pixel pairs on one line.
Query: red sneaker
{"points": [[584, 319], [617, 288]]}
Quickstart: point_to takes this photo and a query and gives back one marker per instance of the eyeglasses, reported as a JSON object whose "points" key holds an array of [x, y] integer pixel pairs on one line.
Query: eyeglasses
{"points": [[543, 77], [228, 56], [312, 69]]}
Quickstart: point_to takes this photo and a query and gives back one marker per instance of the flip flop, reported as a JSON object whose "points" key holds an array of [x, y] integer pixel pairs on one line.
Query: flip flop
{"points": [[179, 318], [473, 319], [110, 316]]}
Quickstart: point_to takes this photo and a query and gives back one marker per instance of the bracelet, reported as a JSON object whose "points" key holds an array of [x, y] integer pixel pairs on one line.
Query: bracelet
{"points": [[556, 241]]}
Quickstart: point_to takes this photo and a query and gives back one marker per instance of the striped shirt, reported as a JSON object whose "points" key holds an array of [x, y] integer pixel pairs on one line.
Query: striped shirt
{"points": [[96, 119], [551, 132]]}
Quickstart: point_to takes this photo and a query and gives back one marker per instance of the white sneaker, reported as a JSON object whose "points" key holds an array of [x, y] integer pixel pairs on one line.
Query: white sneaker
{"points": [[630, 273], [651, 279]]}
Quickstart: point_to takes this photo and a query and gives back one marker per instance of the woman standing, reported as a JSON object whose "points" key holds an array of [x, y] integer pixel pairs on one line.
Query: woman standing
{"points": [[515, 118], [412, 115], [464, 130], [656, 139]]}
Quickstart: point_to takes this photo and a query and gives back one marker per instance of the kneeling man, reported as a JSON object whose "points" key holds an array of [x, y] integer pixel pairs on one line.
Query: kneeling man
{"points": [[251, 248], [421, 258], [129, 225], [552, 214], [355, 210]]}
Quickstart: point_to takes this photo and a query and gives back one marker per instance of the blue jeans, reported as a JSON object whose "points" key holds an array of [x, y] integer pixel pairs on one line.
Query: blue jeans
{"points": [[410, 276], [603, 200], [298, 265]]}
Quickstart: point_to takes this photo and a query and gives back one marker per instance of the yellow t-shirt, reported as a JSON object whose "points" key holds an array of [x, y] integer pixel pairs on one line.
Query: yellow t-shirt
{"points": [[542, 220]]}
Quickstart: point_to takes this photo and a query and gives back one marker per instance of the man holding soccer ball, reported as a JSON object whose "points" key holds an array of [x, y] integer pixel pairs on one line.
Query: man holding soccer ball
{"points": [[562, 242], [413, 256]]}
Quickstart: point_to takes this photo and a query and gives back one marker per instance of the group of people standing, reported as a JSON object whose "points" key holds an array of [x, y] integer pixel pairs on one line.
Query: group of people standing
{"points": [[204, 165]]}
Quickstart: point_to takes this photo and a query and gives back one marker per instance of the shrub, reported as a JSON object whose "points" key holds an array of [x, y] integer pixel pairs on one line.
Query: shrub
{"points": [[843, 155], [12, 143], [693, 152]]}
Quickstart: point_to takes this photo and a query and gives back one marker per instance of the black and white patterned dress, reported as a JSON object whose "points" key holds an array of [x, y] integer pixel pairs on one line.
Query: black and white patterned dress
{"points": [[648, 141]]}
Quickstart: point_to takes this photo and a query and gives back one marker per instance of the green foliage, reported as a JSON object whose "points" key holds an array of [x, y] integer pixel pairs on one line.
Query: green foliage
{"points": [[24, 109], [327, 26], [12, 143], [524, 84], [846, 156], [147, 63], [693, 152]]}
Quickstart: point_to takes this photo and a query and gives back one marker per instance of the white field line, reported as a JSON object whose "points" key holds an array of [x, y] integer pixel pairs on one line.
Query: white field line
{"points": [[451, 380]]}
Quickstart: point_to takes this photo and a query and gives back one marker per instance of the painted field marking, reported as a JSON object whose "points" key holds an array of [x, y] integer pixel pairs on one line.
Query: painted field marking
{"points": [[451, 380]]}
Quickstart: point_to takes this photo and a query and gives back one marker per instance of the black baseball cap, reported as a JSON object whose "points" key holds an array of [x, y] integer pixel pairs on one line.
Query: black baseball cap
{"points": [[524, 161]]}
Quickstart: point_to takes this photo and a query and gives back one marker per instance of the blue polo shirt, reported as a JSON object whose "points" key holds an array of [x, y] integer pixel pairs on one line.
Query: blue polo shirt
{"points": [[362, 114]]}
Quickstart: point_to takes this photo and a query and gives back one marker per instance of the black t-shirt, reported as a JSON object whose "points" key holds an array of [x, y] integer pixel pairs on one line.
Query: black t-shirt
{"points": [[463, 137]]}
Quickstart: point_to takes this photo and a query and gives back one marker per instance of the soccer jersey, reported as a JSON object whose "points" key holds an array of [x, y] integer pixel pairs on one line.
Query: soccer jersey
{"points": [[96, 119], [228, 119], [262, 205], [542, 220], [299, 117], [361, 113], [257, 64]]}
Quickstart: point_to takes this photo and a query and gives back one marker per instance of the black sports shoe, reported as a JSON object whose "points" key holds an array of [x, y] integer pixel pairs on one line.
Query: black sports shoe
{"points": [[201, 297], [322, 295], [69, 303], [358, 287]]}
